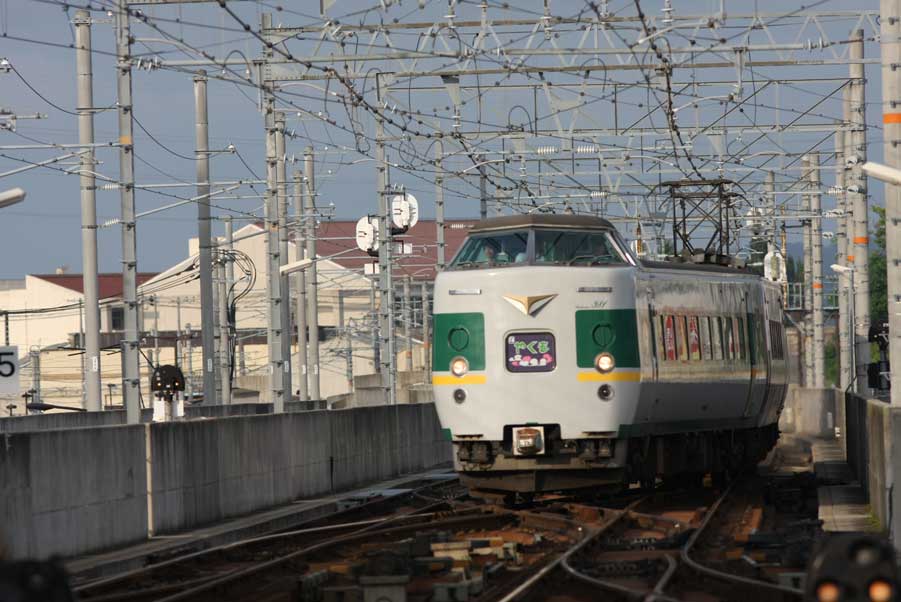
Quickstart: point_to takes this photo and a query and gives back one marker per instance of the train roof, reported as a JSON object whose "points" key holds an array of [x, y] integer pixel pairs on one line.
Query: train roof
{"points": [[695, 267], [689, 266], [549, 220]]}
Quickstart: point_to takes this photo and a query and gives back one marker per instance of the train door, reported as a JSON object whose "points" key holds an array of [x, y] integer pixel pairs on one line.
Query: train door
{"points": [[758, 354], [654, 334]]}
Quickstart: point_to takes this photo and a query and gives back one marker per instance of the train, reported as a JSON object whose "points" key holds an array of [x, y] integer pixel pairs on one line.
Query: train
{"points": [[564, 361]]}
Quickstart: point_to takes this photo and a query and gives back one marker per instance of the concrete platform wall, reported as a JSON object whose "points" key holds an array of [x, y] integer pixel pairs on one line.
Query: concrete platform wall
{"points": [[205, 471], [68, 420], [811, 411], [75, 491], [62, 420], [65, 492], [365, 442], [872, 429]]}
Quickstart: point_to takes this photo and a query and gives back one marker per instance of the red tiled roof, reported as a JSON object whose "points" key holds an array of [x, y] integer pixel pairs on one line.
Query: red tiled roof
{"points": [[337, 236], [110, 284]]}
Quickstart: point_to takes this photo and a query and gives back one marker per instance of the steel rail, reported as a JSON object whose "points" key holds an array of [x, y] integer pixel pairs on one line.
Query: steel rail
{"points": [[722, 575], [251, 571], [562, 560], [82, 588]]}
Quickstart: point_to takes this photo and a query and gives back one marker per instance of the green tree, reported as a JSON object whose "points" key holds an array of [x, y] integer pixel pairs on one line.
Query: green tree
{"points": [[832, 361], [878, 277]]}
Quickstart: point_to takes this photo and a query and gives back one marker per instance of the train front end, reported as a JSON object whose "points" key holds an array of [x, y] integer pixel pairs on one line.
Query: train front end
{"points": [[536, 362]]}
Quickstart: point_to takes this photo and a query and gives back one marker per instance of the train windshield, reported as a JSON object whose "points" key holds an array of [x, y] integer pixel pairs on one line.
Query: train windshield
{"points": [[575, 248], [495, 249]]}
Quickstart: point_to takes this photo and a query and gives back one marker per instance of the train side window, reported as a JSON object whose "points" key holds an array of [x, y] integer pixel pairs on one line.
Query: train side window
{"points": [[704, 334], [717, 336], [694, 339], [776, 340], [728, 339], [772, 332], [681, 346], [669, 338], [742, 349], [774, 343], [657, 327]]}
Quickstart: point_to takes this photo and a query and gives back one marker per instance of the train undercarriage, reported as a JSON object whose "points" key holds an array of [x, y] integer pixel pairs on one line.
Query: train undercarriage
{"points": [[604, 464]]}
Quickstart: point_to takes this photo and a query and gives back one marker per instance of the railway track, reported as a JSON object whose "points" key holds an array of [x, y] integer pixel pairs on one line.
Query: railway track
{"points": [[169, 575], [503, 547], [660, 545], [672, 547]]}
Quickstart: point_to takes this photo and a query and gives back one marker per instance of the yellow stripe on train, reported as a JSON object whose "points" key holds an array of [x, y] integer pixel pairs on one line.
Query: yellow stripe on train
{"points": [[467, 379], [593, 377]]}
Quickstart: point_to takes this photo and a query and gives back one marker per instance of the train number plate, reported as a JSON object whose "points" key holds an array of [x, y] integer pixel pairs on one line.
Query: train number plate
{"points": [[531, 352]]}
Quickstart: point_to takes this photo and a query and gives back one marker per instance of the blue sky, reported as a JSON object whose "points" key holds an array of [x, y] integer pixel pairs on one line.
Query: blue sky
{"points": [[44, 232]]}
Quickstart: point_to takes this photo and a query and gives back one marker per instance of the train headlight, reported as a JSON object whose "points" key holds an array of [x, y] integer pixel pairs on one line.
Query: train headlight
{"points": [[604, 362], [459, 366]]}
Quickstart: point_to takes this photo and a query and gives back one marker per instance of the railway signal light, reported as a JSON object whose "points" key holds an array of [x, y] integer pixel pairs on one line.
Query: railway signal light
{"points": [[851, 568]]}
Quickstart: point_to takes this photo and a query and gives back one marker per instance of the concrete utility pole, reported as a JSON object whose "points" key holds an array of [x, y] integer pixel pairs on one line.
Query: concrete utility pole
{"points": [[439, 205], [408, 321], [769, 188], [816, 234], [841, 244], [274, 331], [93, 400], [313, 279], [282, 176], [189, 364], [35, 376], [229, 260], [217, 342], [224, 345], [131, 371], [344, 332], [156, 332], [808, 276], [857, 186], [204, 238], [178, 352], [230, 312], [483, 191], [890, 41], [426, 331], [300, 285], [386, 287], [374, 320], [84, 372]]}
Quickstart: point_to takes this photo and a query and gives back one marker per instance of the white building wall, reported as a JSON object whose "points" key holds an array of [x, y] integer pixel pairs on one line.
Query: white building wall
{"points": [[45, 329]]}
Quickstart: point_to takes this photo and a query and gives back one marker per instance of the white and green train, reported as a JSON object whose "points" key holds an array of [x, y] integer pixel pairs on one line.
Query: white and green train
{"points": [[563, 361]]}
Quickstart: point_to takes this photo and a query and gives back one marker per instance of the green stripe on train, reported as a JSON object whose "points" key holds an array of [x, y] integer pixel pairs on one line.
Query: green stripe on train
{"points": [[461, 334], [612, 330]]}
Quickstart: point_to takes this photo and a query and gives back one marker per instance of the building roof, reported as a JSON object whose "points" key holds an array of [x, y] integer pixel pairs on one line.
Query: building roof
{"points": [[337, 236], [110, 284], [551, 220], [336, 241]]}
